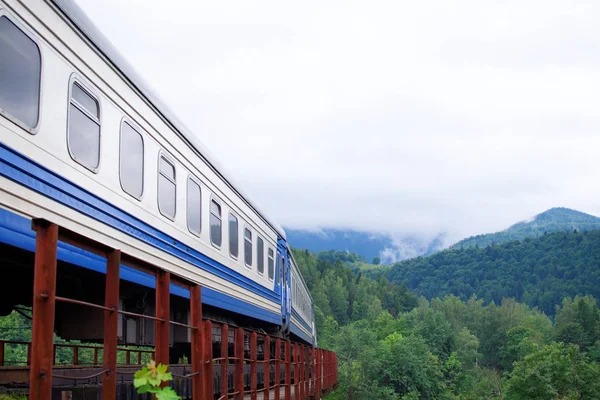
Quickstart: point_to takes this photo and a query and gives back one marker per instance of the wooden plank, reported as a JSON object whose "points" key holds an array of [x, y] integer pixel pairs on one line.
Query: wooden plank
{"points": [[267, 368], [207, 357], [44, 292], [306, 362], [277, 389], [163, 311], [196, 345], [319, 373], [225, 362], [296, 371], [111, 321], [288, 370], [302, 368], [253, 357], [238, 376]]}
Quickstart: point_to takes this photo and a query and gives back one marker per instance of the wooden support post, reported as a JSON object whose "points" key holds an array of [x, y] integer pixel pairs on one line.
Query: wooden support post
{"points": [[163, 311], [306, 364], [335, 382], [196, 345], [288, 370], [318, 374], [296, 372], [301, 359], [111, 321], [29, 353], [311, 373], [253, 357], [327, 370], [75, 355], [225, 361], [1, 353], [267, 367], [238, 376], [277, 390], [207, 357], [44, 292]]}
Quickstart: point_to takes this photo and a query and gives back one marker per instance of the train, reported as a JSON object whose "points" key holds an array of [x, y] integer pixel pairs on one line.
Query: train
{"points": [[85, 143]]}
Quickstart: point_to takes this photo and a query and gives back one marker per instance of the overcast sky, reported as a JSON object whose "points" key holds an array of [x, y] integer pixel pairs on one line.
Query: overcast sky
{"points": [[390, 116]]}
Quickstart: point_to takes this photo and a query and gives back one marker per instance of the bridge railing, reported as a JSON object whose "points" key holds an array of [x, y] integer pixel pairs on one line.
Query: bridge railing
{"points": [[238, 371], [81, 354]]}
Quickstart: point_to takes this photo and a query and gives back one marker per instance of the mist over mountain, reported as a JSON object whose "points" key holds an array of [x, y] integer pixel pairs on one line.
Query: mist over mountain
{"points": [[389, 248], [556, 219]]}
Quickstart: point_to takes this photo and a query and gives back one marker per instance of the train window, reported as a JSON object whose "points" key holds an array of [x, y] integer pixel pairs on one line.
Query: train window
{"points": [[20, 74], [260, 255], [233, 236], [83, 133], [278, 266], [248, 247], [194, 207], [131, 161], [166, 188], [215, 223], [271, 265]]}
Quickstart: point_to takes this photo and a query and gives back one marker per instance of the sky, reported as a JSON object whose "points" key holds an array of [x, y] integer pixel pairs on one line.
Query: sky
{"points": [[400, 117]]}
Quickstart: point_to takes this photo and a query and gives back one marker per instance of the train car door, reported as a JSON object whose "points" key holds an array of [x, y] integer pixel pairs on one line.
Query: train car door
{"points": [[283, 272]]}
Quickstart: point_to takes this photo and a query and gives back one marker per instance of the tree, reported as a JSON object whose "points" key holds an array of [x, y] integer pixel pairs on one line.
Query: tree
{"points": [[557, 371], [407, 365], [376, 260]]}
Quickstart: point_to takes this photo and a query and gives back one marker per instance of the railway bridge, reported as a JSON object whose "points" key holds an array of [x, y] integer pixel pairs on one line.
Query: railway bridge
{"points": [[225, 361]]}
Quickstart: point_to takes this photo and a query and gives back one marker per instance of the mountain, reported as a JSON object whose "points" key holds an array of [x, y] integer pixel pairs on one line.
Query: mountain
{"points": [[369, 245], [553, 220], [539, 272]]}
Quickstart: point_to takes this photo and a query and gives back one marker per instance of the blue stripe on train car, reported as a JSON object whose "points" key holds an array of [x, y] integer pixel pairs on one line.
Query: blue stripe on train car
{"points": [[302, 321], [30, 174], [15, 230], [26, 172], [300, 333]]}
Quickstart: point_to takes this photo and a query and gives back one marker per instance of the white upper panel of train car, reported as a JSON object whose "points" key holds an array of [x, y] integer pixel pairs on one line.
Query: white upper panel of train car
{"points": [[83, 23]]}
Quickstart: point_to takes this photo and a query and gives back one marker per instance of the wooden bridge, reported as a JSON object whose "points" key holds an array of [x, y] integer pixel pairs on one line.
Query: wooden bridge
{"points": [[225, 361]]}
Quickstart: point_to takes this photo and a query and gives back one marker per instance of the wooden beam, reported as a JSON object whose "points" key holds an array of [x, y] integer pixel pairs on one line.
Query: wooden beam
{"points": [[277, 390], [253, 357], [225, 359], [44, 292], [196, 346], [296, 372], [238, 376], [207, 357], [111, 321], [267, 367], [163, 311], [288, 370]]}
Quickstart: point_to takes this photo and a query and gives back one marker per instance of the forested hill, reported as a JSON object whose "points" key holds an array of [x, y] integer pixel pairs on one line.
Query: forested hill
{"points": [[553, 220], [393, 346], [539, 272]]}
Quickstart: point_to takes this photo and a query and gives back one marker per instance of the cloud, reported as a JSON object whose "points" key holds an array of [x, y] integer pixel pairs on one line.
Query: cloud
{"points": [[404, 117]]}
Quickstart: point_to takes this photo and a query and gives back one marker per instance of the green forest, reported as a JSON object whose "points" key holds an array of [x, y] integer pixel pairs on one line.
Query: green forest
{"points": [[539, 272], [392, 344]]}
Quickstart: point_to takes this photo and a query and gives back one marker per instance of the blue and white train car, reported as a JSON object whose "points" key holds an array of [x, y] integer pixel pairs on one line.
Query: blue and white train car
{"points": [[86, 144]]}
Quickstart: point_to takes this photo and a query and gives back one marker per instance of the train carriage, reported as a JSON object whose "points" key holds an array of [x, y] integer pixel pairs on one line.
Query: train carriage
{"points": [[86, 144]]}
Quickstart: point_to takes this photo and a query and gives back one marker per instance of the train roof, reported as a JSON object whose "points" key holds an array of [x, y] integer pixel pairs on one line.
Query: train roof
{"points": [[78, 17]]}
